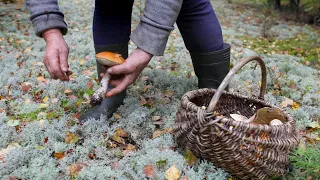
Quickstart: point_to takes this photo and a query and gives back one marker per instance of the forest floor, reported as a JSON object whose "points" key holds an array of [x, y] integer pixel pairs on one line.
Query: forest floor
{"points": [[41, 139]]}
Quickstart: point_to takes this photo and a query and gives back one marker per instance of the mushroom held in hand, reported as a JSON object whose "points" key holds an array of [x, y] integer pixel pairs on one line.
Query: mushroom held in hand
{"points": [[107, 59]]}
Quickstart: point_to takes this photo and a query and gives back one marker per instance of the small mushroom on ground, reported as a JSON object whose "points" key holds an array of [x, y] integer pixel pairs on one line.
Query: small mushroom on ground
{"points": [[107, 59]]}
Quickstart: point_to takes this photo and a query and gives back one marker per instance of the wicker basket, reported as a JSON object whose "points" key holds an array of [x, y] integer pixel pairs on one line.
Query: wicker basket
{"points": [[245, 150]]}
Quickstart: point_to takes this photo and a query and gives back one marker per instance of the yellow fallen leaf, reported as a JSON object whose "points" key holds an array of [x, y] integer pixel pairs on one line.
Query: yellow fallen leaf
{"points": [[43, 106], [295, 106], [172, 173], [45, 99], [41, 78], [121, 133], [81, 61], [117, 138], [71, 138]]}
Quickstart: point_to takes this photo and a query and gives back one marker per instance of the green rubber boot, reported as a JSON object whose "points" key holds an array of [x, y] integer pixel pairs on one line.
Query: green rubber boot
{"points": [[211, 67], [109, 105]]}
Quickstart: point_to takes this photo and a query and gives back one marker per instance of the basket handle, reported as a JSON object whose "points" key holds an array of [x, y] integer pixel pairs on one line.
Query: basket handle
{"points": [[232, 72]]}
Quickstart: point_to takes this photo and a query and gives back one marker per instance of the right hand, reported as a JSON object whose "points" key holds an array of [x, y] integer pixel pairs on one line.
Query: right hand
{"points": [[56, 55]]}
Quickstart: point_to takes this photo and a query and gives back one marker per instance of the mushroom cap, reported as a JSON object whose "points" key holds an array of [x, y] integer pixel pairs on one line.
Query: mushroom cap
{"points": [[109, 58]]}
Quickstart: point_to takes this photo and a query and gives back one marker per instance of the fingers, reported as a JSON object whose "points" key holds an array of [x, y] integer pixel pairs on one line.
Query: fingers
{"points": [[119, 88], [53, 63], [124, 68], [63, 55]]}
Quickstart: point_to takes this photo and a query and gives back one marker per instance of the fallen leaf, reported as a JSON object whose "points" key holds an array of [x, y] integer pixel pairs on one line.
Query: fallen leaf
{"points": [[90, 84], [74, 169], [121, 133], [190, 157], [172, 173], [130, 147], [27, 101], [4, 152], [25, 87], [156, 118], [41, 79], [116, 116], [168, 93], [286, 102], [81, 61], [43, 106], [117, 139], [76, 115], [71, 138], [13, 123], [143, 101], [58, 155], [148, 170], [67, 91], [158, 133], [295, 106], [45, 99]]}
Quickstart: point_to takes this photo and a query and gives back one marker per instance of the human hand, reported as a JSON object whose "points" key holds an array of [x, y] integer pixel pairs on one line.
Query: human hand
{"points": [[56, 55], [128, 71]]}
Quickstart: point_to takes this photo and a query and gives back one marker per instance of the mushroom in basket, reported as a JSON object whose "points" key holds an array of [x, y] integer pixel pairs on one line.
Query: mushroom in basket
{"points": [[107, 59]]}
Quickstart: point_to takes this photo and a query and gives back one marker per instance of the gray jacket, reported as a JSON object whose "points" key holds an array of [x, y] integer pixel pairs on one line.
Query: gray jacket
{"points": [[151, 34]]}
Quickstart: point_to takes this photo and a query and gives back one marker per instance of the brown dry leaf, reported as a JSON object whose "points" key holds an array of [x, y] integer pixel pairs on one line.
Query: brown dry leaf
{"points": [[76, 115], [172, 173], [90, 84], [190, 157], [143, 101], [286, 102], [295, 106], [58, 155], [25, 87], [130, 147], [158, 133], [74, 169], [71, 138], [121, 133], [116, 116], [148, 170]]}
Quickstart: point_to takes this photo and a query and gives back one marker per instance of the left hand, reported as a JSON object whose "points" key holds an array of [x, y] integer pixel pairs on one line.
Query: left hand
{"points": [[128, 71]]}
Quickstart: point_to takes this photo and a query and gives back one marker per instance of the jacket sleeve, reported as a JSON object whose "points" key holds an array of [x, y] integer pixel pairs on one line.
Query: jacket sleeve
{"points": [[151, 34], [45, 14]]}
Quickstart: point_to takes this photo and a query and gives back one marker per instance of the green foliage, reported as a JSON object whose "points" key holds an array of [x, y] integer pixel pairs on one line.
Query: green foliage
{"points": [[306, 161]]}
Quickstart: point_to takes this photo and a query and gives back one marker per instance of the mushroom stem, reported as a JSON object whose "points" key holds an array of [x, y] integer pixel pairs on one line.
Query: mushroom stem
{"points": [[99, 94]]}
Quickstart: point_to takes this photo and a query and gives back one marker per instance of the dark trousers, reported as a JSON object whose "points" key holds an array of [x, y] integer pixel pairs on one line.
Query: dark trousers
{"points": [[197, 22]]}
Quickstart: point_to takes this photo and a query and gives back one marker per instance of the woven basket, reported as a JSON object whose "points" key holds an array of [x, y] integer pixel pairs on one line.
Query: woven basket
{"points": [[245, 150]]}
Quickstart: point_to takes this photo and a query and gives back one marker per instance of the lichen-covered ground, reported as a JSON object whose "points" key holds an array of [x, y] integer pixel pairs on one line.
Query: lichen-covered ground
{"points": [[39, 134]]}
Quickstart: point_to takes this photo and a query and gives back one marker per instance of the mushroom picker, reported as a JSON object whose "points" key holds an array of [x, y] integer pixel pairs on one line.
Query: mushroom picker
{"points": [[107, 59]]}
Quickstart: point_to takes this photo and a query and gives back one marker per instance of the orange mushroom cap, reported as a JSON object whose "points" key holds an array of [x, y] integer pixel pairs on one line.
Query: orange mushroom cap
{"points": [[109, 58]]}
